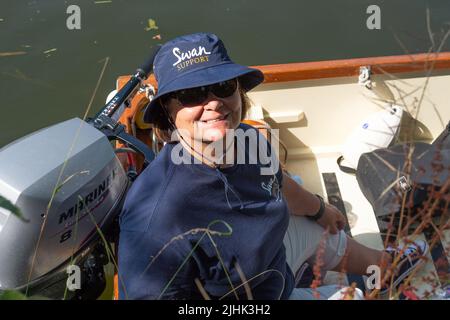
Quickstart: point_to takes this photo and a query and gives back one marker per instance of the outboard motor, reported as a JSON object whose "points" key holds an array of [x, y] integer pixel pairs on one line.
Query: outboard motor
{"points": [[65, 208], [69, 186]]}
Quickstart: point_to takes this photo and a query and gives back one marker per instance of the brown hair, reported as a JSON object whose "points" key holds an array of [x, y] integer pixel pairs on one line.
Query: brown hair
{"points": [[163, 128]]}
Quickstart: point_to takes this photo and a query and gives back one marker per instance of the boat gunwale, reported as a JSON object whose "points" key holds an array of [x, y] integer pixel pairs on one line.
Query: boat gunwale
{"points": [[287, 72]]}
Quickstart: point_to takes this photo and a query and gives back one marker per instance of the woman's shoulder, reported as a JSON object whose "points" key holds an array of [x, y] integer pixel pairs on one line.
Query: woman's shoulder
{"points": [[248, 133], [246, 127], [143, 196], [155, 173], [259, 149]]}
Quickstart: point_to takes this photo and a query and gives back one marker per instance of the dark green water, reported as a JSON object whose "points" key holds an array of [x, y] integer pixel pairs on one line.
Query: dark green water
{"points": [[38, 89]]}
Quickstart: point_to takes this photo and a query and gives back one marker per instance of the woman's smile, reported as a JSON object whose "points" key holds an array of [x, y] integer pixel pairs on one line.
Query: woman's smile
{"points": [[217, 120]]}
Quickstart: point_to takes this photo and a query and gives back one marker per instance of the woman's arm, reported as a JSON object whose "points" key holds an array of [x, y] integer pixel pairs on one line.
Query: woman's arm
{"points": [[301, 202]]}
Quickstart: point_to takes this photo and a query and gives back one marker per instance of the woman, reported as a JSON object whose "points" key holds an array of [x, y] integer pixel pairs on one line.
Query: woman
{"points": [[203, 220]]}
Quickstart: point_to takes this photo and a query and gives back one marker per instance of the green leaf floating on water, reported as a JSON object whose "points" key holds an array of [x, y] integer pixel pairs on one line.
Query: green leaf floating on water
{"points": [[151, 25], [6, 204]]}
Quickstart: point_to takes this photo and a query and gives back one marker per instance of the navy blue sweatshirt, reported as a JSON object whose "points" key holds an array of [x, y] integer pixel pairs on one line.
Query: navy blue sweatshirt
{"points": [[183, 222]]}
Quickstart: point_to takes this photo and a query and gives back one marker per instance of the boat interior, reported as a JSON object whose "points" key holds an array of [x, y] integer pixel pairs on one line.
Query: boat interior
{"points": [[316, 105]]}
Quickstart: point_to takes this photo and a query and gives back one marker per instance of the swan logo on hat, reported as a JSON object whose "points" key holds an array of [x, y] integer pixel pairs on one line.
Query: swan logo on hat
{"points": [[190, 57], [195, 60]]}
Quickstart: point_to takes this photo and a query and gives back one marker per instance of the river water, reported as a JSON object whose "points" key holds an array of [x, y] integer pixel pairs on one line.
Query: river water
{"points": [[48, 72]]}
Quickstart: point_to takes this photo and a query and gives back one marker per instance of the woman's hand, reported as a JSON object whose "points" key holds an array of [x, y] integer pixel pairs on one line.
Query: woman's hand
{"points": [[332, 218]]}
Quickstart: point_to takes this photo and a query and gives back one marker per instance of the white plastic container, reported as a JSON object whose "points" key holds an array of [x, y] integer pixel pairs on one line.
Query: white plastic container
{"points": [[377, 131]]}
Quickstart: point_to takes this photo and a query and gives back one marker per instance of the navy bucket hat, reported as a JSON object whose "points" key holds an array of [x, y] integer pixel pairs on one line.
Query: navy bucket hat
{"points": [[196, 60]]}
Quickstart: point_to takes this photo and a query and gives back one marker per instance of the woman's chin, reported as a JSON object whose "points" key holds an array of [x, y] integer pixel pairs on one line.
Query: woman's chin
{"points": [[214, 131], [213, 135]]}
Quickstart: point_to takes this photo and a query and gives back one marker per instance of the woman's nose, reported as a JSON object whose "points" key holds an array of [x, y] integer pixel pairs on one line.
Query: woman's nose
{"points": [[212, 102]]}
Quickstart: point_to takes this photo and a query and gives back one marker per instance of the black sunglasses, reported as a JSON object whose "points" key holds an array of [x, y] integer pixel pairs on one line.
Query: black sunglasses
{"points": [[198, 95]]}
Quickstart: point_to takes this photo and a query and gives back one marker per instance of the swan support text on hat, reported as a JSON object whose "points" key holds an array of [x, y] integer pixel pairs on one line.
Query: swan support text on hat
{"points": [[195, 56]]}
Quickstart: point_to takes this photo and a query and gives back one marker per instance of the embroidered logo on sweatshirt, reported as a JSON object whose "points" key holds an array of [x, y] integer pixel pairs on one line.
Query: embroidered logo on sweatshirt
{"points": [[273, 188]]}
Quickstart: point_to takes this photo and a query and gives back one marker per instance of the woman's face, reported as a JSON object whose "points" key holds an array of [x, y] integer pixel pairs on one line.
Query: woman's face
{"points": [[207, 122]]}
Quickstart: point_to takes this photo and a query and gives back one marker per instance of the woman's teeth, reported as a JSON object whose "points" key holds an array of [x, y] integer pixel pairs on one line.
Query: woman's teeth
{"points": [[212, 121], [215, 120]]}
